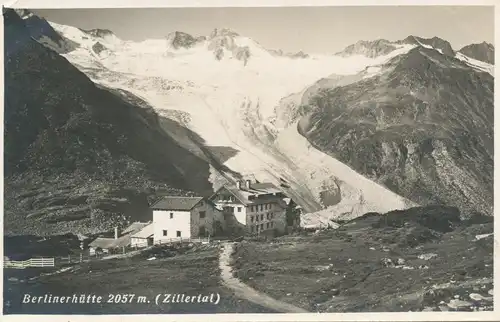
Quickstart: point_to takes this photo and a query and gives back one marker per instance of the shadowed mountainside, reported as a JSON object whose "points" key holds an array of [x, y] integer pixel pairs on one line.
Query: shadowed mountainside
{"points": [[78, 157]]}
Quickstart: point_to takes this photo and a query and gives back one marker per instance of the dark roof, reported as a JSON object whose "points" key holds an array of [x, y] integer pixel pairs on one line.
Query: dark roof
{"points": [[177, 203], [262, 186]]}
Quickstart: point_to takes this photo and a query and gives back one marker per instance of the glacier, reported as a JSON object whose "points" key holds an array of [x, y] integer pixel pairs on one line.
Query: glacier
{"points": [[229, 103]]}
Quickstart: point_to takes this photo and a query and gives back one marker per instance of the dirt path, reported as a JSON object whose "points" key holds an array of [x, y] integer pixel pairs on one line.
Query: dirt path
{"points": [[246, 292]]}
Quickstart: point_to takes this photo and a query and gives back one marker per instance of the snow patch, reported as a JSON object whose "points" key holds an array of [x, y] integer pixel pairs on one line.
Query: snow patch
{"points": [[479, 237], [476, 64]]}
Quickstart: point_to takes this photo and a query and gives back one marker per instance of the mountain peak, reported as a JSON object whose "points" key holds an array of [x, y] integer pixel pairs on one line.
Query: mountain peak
{"points": [[224, 32], [179, 39], [434, 42], [21, 25], [484, 52], [101, 33], [371, 49], [23, 13]]}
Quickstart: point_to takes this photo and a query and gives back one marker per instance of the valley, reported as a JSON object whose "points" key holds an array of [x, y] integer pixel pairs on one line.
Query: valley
{"points": [[386, 149]]}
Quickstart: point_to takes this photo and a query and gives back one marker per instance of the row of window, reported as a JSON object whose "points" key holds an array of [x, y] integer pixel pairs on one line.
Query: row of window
{"points": [[260, 227], [202, 214], [256, 218], [178, 233], [262, 207]]}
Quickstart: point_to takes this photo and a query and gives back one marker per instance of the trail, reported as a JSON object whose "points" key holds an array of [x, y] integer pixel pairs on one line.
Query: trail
{"points": [[246, 292]]}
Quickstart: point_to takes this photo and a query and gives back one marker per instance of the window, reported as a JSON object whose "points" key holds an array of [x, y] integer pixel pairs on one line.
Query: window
{"points": [[267, 216], [251, 218], [257, 218], [267, 225], [261, 207], [251, 208], [171, 215], [178, 233], [201, 231], [202, 214], [261, 226], [262, 217], [164, 233], [265, 206], [239, 209]]}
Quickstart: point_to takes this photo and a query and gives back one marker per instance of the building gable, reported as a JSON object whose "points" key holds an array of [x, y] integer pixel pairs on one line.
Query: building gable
{"points": [[224, 191]]}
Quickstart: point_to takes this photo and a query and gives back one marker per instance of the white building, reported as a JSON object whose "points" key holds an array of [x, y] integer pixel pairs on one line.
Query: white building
{"points": [[185, 217], [256, 207], [122, 239], [143, 237]]}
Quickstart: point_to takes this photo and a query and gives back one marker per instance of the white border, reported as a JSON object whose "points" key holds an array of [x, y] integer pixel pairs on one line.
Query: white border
{"points": [[420, 316], [228, 3]]}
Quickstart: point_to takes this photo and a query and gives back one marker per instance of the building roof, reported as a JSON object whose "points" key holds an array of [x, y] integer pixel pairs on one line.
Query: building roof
{"points": [[102, 242], [145, 232], [106, 243], [177, 203], [135, 227], [256, 189], [264, 187], [123, 240]]}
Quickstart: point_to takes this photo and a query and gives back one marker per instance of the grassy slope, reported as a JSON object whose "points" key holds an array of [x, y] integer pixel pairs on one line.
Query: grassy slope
{"points": [[190, 273], [337, 271]]}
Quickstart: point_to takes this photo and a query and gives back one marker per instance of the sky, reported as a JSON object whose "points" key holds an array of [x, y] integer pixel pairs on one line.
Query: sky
{"points": [[292, 29]]}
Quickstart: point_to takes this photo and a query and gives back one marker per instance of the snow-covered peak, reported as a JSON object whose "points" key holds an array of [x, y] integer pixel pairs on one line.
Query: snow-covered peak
{"points": [[223, 32], [179, 39], [436, 43], [484, 52], [372, 49], [101, 33], [23, 13], [382, 47]]}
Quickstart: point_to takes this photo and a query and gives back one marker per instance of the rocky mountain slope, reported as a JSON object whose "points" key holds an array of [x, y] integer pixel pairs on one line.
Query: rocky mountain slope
{"points": [[368, 48], [484, 52], [80, 157], [422, 125]]}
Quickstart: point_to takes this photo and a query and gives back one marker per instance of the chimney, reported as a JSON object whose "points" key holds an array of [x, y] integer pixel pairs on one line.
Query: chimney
{"points": [[247, 184], [116, 232], [238, 184]]}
